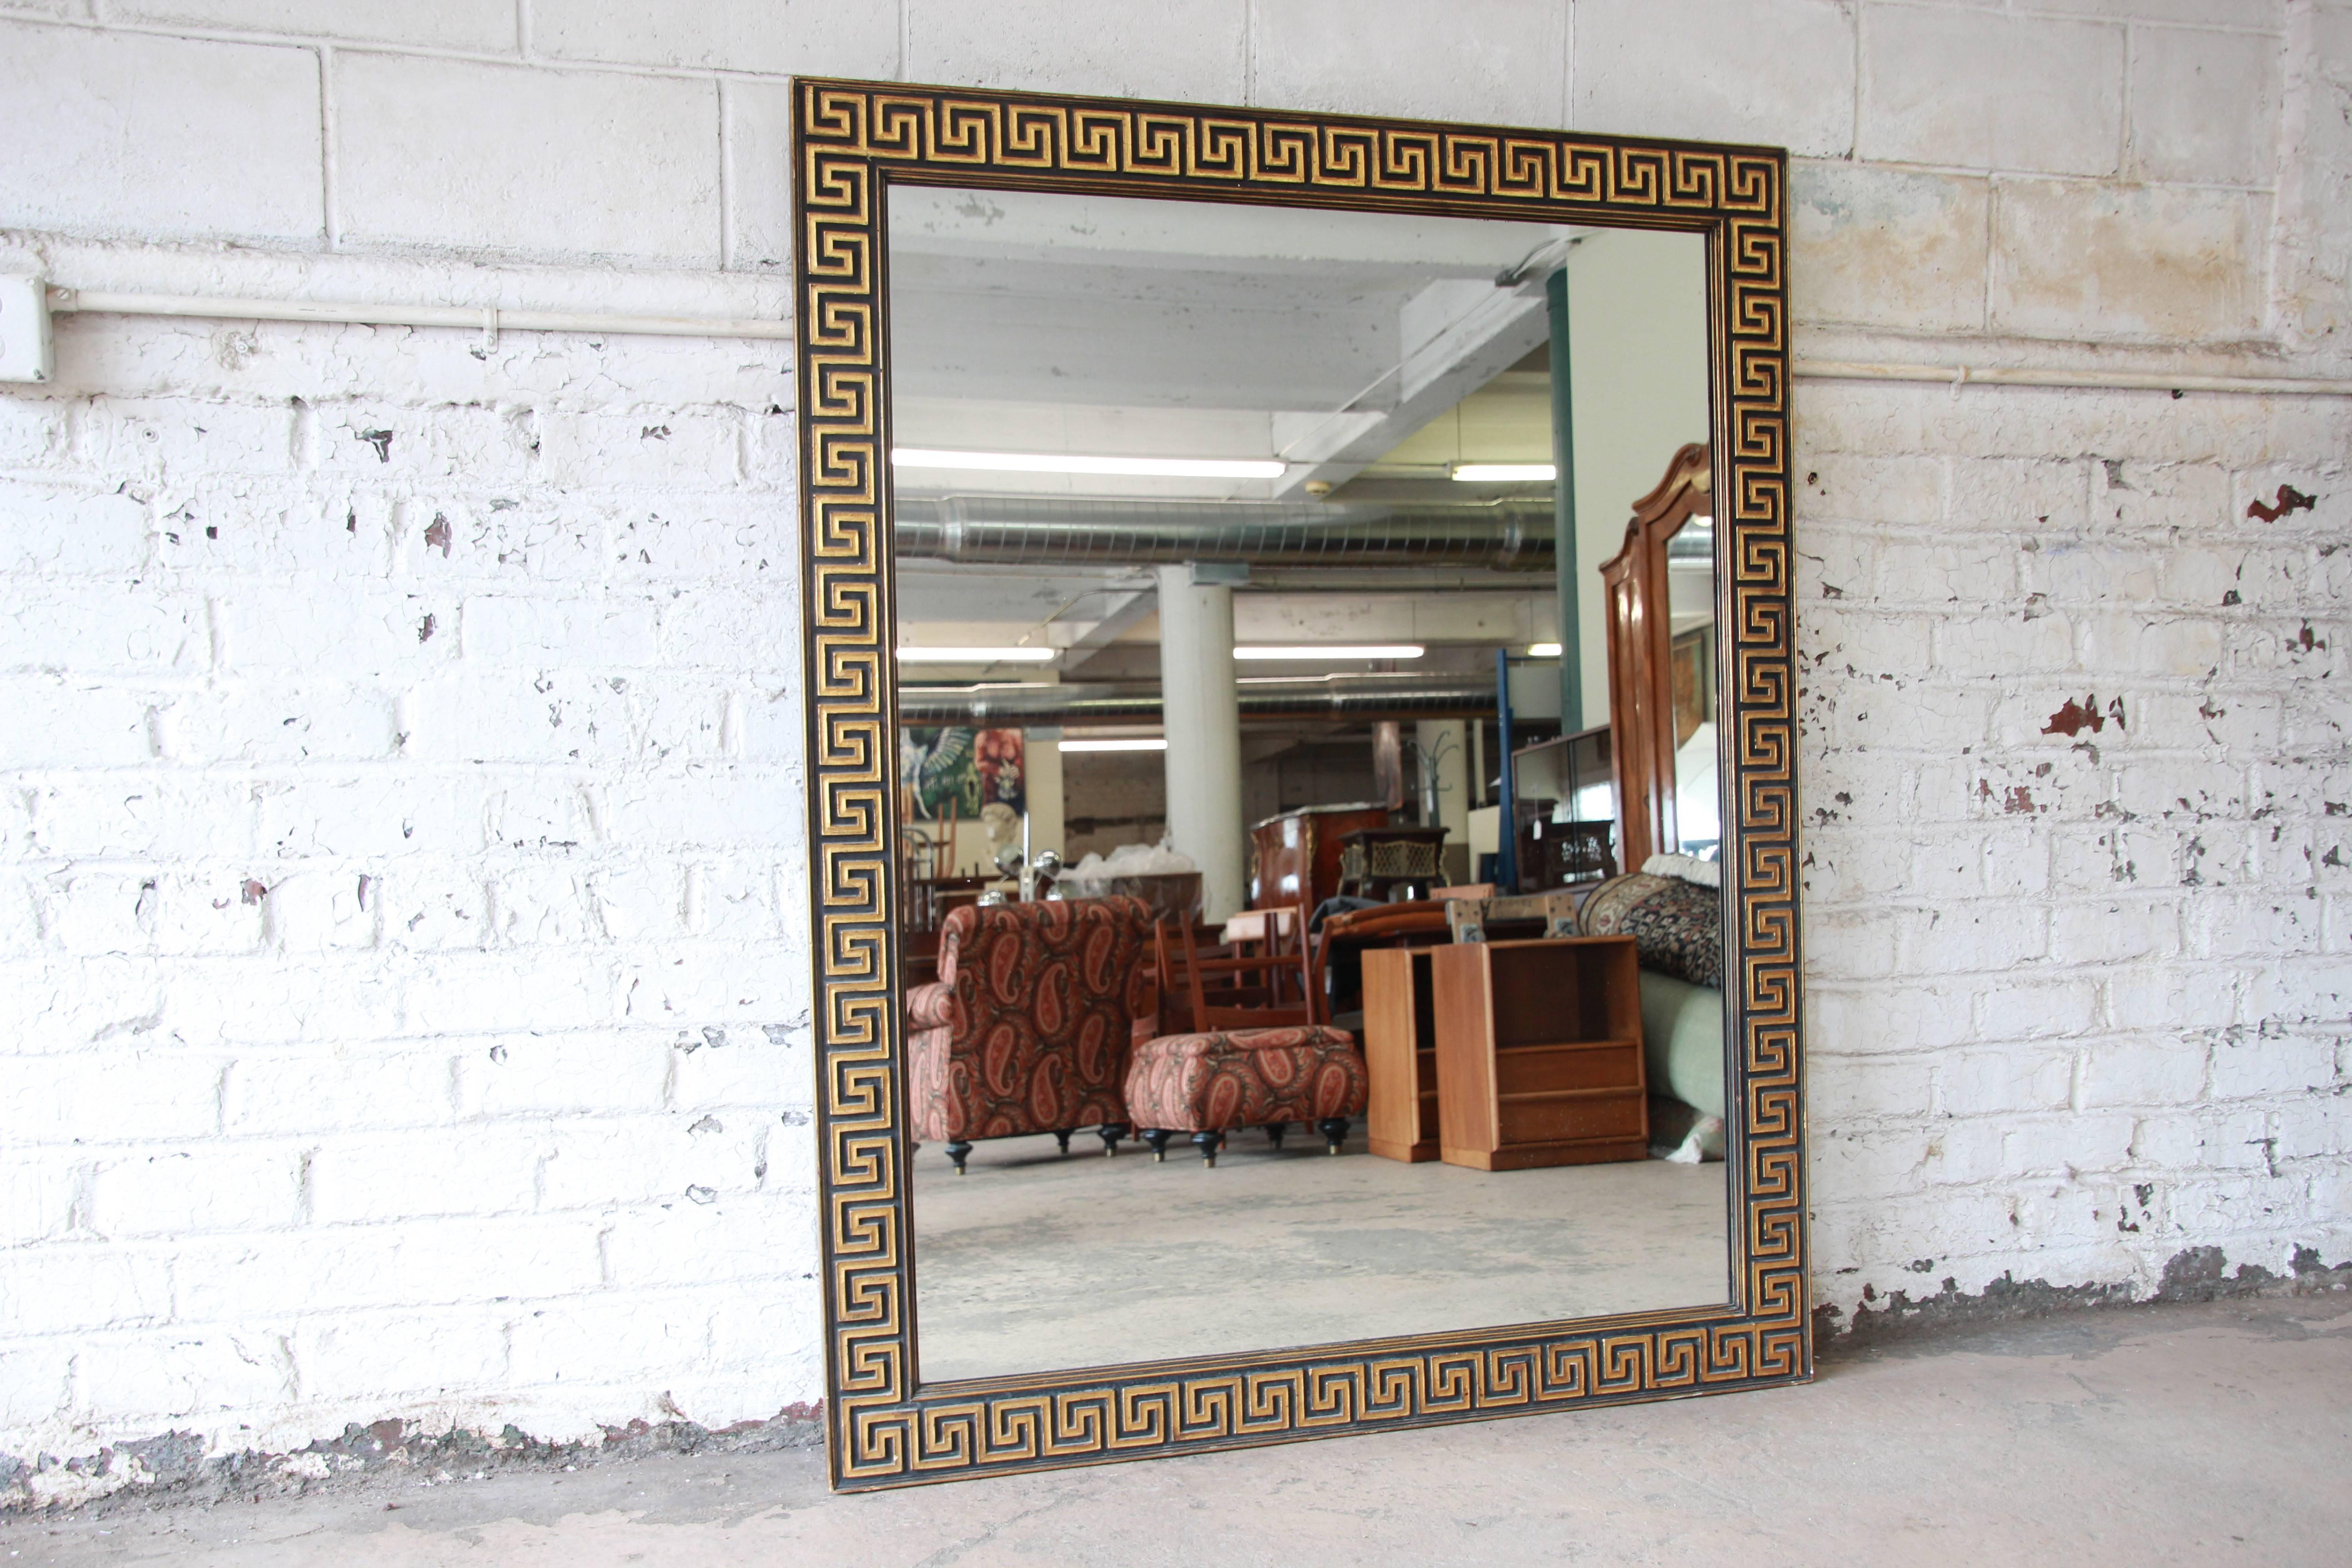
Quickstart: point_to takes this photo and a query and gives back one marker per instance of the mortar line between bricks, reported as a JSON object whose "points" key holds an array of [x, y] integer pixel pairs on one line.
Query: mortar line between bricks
{"points": [[549, 1122], [163, 1244], [538, 65], [601, 1294], [1992, 173]]}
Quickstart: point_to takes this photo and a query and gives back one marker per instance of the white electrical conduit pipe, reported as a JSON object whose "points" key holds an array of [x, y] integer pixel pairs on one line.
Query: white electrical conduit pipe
{"points": [[2116, 380], [491, 320]]}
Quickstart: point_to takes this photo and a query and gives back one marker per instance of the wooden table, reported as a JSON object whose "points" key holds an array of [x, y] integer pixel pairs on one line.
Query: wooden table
{"points": [[1467, 919], [1374, 860]]}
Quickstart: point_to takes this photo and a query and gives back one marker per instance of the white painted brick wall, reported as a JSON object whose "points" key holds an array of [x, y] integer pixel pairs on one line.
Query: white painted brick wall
{"points": [[403, 924], [383, 1043], [437, 153], [144, 135], [2046, 92], [1776, 71]]}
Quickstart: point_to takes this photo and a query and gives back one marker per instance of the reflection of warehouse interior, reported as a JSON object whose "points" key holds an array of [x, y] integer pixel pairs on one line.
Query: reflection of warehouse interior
{"points": [[1249, 645], [1397, 384]]}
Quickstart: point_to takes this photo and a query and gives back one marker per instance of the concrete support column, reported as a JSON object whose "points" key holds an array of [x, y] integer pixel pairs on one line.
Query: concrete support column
{"points": [[1446, 756], [1201, 708]]}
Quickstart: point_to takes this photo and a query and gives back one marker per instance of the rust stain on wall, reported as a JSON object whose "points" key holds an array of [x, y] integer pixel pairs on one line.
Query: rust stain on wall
{"points": [[2073, 718], [2289, 498]]}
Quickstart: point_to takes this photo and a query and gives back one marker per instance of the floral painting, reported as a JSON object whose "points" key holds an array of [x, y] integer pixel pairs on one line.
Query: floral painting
{"points": [[955, 771]]}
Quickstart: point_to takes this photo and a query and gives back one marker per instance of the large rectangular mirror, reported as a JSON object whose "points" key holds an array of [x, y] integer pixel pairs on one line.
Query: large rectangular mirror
{"points": [[1304, 800]]}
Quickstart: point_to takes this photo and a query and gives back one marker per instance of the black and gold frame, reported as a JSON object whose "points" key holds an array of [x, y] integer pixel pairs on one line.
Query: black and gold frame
{"points": [[886, 1426]]}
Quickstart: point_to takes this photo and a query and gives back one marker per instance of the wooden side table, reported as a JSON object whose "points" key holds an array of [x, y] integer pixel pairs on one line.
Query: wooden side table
{"points": [[1540, 1053], [1372, 860]]}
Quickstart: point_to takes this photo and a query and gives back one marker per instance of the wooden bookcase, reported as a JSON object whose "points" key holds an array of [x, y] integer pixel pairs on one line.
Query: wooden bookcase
{"points": [[1539, 1053], [1401, 1053]]}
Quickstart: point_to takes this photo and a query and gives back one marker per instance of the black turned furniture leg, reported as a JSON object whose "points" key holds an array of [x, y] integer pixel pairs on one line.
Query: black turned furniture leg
{"points": [[1110, 1132], [957, 1150], [1206, 1143], [1335, 1132], [1157, 1138], [1274, 1131], [1062, 1137]]}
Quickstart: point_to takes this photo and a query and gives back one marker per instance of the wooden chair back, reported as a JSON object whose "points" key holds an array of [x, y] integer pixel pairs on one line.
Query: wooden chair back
{"points": [[1262, 991], [1172, 976], [943, 851], [926, 853], [1181, 946]]}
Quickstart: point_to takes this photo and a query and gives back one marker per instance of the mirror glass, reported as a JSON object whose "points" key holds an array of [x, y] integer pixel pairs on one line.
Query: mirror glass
{"points": [[1261, 826]]}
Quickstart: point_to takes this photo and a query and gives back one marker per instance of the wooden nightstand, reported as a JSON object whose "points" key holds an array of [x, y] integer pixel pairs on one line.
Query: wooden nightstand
{"points": [[1539, 1053]]}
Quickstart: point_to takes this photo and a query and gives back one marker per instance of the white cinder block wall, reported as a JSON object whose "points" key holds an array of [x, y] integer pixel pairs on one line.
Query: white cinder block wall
{"points": [[401, 915]]}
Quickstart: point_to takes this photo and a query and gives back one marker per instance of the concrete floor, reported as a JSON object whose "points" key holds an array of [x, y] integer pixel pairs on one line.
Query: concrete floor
{"points": [[1033, 1262], [2195, 1435]]}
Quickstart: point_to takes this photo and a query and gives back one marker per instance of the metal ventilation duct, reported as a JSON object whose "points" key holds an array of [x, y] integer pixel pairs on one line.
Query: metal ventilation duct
{"points": [[1362, 698], [1505, 535]]}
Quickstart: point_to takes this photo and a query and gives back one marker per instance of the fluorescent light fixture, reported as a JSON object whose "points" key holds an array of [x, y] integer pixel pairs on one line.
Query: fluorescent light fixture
{"points": [[1504, 473], [1543, 651], [1063, 463], [1116, 743], [1334, 650], [975, 655]]}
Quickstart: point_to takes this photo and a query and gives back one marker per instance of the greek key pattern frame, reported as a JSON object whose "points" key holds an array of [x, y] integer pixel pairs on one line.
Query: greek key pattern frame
{"points": [[851, 141]]}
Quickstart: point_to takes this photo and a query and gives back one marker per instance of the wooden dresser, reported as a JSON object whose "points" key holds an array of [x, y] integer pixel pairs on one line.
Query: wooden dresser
{"points": [[1298, 852], [1539, 1052]]}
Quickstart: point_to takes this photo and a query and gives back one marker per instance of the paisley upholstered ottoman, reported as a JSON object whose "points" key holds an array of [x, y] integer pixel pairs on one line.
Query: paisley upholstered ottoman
{"points": [[1209, 1084]]}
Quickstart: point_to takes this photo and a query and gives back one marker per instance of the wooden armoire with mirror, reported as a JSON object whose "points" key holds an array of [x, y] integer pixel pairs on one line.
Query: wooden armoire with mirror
{"points": [[1644, 705]]}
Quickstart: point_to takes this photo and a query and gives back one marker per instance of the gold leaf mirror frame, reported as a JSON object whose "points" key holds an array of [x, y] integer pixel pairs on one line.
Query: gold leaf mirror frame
{"points": [[852, 140]]}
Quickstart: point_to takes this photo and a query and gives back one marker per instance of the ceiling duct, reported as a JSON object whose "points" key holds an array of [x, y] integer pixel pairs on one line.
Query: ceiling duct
{"points": [[1501, 535], [1365, 699]]}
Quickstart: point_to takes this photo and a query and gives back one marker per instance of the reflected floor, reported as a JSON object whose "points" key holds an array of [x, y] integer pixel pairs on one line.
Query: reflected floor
{"points": [[1034, 1262]]}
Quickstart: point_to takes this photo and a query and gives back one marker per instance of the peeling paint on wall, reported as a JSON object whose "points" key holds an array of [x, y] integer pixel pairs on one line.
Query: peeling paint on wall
{"points": [[2072, 718], [2288, 499], [2196, 1274], [174, 1468]]}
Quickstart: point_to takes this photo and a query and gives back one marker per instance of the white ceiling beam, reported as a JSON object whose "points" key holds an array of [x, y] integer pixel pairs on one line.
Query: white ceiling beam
{"points": [[1458, 335], [1117, 620]]}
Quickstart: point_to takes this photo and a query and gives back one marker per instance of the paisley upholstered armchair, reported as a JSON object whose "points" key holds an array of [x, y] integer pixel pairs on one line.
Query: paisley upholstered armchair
{"points": [[1029, 1026]]}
